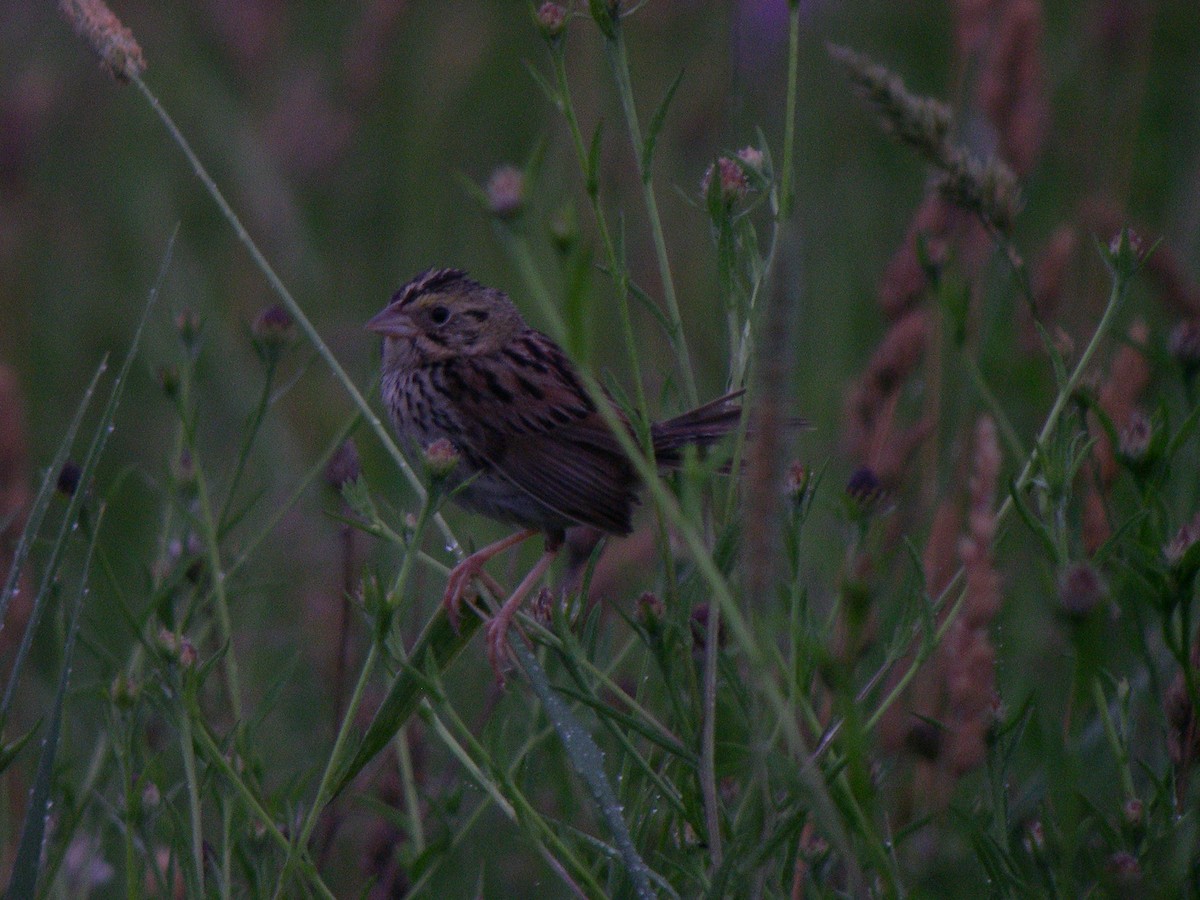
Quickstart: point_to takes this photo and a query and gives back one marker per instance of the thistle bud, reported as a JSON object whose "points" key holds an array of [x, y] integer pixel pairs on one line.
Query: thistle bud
{"points": [[1133, 441], [552, 19], [1080, 590], [753, 158], [272, 332], [1185, 345], [726, 178], [796, 482], [864, 490], [506, 192], [188, 326], [1176, 551], [440, 459]]}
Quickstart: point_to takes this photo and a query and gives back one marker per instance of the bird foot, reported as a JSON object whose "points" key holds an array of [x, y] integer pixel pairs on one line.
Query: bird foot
{"points": [[457, 585], [497, 642]]}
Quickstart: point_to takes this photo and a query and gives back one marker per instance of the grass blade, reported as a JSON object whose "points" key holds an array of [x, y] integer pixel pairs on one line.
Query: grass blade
{"points": [[29, 851]]}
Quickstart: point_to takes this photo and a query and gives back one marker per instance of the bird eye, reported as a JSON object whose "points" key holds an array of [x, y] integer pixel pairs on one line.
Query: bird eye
{"points": [[439, 315]]}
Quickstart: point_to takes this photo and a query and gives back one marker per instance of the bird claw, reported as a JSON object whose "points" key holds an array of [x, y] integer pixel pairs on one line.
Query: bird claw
{"points": [[458, 583], [497, 644]]}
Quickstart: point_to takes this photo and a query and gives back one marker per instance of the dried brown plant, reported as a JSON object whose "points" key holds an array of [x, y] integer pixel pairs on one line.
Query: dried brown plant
{"points": [[1049, 283], [93, 21], [943, 230], [967, 655], [1012, 89], [873, 436], [987, 188], [1128, 378]]}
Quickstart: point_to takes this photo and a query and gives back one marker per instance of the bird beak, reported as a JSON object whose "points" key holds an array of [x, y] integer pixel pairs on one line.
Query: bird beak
{"points": [[392, 323]]}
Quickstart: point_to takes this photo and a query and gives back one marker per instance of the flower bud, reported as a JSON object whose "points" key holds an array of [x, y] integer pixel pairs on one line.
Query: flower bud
{"points": [[726, 178], [1185, 539], [1133, 441], [552, 19], [506, 192], [796, 482], [187, 326], [187, 654], [1185, 345], [1080, 590], [184, 472], [440, 459], [650, 610], [753, 158], [1134, 812], [273, 331], [864, 490], [151, 796]]}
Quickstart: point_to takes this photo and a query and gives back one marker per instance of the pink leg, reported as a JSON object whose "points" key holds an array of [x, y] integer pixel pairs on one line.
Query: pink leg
{"points": [[465, 572], [497, 629]]}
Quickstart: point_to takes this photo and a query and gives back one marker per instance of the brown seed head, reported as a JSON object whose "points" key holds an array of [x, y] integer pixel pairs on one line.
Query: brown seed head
{"points": [[93, 21]]}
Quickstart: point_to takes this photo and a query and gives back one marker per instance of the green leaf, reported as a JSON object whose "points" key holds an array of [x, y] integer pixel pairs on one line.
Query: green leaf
{"points": [[551, 93], [438, 646], [588, 762], [655, 126], [603, 12], [11, 750], [27, 866]]}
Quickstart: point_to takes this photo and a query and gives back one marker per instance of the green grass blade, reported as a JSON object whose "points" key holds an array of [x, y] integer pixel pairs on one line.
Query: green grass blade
{"points": [[588, 762], [86, 470], [27, 866]]}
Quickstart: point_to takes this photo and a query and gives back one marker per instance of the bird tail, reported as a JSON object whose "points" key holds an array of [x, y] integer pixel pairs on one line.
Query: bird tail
{"points": [[699, 427]]}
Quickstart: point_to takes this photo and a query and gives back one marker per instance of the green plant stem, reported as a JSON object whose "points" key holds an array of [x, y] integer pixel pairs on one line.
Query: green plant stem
{"points": [[616, 265], [708, 739], [333, 765], [188, 754], [209, 525], [1120, 288], [618, 60], [412, 802], [217, 760], [310, 332], [251, 434], [1120, 752]]}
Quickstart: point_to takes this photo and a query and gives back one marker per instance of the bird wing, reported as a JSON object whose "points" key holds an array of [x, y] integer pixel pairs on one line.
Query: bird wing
{"points": [[541, 432]]}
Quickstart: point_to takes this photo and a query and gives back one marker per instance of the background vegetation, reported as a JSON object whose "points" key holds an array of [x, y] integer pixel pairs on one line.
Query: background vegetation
{"points": [[953, 653]]}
